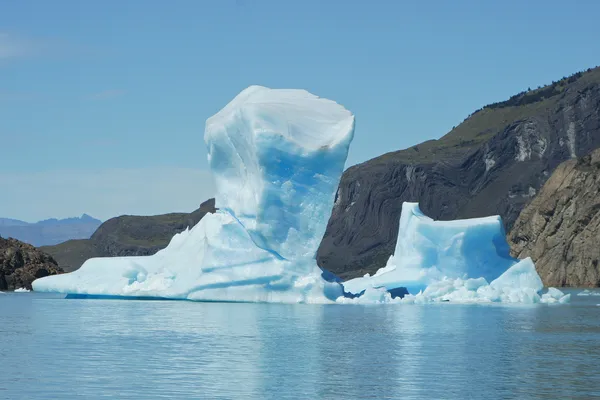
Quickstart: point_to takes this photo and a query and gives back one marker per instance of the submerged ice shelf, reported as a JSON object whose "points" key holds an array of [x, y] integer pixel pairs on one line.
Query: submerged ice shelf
{"points": [[277, 157]]}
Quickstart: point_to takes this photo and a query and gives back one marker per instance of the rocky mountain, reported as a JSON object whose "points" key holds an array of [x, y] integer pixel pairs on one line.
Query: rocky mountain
{"points": [[492, 163], [127, 235], [560, 228], [51, 231], [21, 264]]}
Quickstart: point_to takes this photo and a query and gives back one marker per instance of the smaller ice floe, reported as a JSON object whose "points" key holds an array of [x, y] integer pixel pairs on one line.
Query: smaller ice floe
{"points": [[428, 251], [22, 290], [588, 293], [553, 295], [519, 284], [461, 261]]}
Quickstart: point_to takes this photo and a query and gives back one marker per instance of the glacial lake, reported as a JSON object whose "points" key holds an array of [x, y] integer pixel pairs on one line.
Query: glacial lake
{"points": [[54, 348]]}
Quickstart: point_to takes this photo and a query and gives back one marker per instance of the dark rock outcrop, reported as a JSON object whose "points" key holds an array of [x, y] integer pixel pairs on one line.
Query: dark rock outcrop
{"points": [[127, 235], [560, 228], [492, 163], [21, 264]]}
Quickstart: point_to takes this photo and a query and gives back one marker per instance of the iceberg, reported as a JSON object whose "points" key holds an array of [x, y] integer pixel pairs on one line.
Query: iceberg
{"points": [[428, 250], [587, 292], [452, 261], [277, 156]]}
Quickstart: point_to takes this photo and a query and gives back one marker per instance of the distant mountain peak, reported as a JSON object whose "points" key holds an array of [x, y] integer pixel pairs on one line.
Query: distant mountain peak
{"points": [[87, 217], [50, 231]]}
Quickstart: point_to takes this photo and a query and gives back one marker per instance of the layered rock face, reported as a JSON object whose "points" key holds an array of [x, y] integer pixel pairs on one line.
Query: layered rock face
{"points": [[21, 264], [560, 228], [491, 164]]}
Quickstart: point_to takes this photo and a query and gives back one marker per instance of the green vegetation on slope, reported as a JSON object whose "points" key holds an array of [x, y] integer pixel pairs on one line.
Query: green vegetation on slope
{"points": [[488, 121]]}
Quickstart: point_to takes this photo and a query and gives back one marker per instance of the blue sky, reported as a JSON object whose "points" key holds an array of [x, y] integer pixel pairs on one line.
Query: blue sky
{"points": [[103, 104]]}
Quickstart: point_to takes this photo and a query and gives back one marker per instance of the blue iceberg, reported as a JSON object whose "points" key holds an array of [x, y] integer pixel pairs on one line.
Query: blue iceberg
{"points": [[277, 157], [428, 250], [464, 261]]}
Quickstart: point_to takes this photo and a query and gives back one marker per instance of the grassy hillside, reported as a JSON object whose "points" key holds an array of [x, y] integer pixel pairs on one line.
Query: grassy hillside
{"points": [[484, 123]]}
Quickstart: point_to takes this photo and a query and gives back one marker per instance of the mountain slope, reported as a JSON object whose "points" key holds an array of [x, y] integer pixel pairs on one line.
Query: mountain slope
{"points": [[21, 264], [560, 228], [127, 235], [50, 231], [12, 222], [492, 163]]}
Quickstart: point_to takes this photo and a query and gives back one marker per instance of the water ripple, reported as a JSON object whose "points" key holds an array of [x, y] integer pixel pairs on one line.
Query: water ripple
{"points": [[65, 349]]}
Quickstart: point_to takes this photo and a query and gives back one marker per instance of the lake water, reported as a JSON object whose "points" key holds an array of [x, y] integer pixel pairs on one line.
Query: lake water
{"points": [[51, 347]]}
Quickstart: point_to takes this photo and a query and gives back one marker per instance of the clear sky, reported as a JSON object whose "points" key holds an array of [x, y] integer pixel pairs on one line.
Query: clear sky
{"points": [[103, 103]]}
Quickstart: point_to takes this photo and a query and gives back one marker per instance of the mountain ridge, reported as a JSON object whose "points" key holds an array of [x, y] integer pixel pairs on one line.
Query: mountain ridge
{"points": [[18, 222], [49, 231]]}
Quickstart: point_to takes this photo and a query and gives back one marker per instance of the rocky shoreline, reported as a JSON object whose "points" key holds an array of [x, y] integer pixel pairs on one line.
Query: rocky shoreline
{"points": [[21, 264]]}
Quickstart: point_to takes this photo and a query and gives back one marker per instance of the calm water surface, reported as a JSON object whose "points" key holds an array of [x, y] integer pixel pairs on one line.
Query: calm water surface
{"points": [[51, 347]]}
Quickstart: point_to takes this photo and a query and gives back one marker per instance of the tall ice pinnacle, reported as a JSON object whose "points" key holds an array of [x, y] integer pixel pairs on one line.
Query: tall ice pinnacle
{"points": [[277, 157]]}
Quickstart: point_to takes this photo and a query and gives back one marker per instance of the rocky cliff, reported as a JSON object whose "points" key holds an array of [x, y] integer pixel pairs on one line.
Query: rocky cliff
{"points": [[21, 264], [127, 235], [492, 163], [560, 228]]}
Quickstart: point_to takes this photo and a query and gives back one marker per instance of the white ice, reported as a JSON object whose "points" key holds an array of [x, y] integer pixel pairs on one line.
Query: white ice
{"points": [[277, 157], [21, 290], [587, 292]]}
